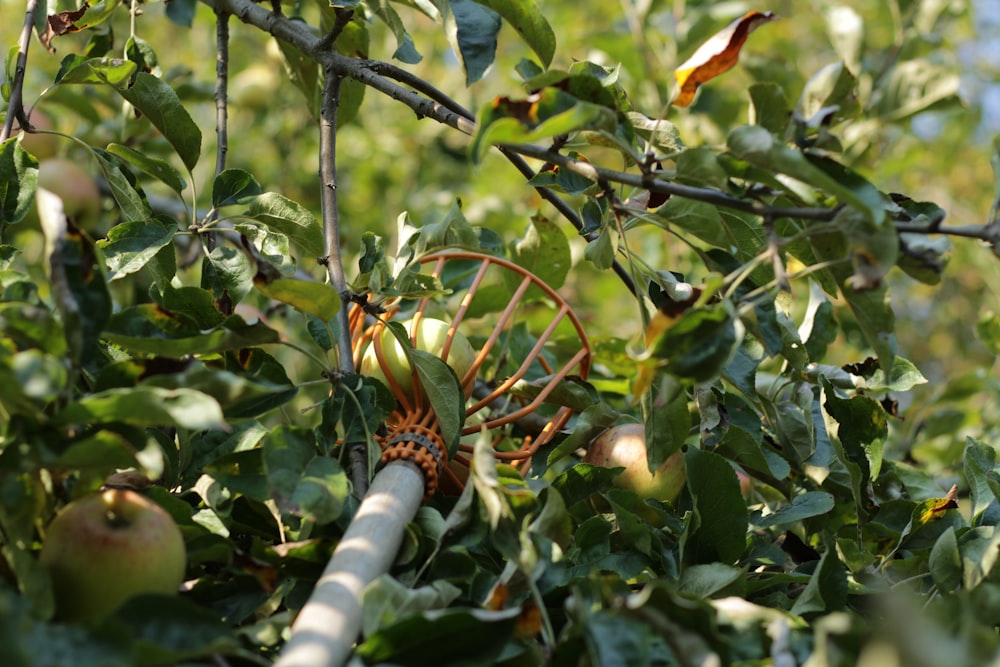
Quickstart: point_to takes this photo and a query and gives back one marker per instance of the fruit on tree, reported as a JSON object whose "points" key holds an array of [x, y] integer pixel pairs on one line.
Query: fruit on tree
{"points": [[42, 146], [431, 337], [254, 87], [104, 548], [625, 446], [77, 189]]}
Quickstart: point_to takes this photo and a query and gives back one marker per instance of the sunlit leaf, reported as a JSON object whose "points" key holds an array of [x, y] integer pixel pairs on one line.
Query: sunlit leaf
{"points": [[309, 296], [147, 406]]}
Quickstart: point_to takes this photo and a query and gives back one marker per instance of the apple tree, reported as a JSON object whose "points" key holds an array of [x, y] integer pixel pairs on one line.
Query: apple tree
{"points": [[721, 227]]}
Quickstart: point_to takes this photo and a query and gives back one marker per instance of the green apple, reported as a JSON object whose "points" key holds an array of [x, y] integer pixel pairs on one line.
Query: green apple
{"points": [[255, 87], [104, 548], [431, 337], [79, 193], [625, 446], [42, 146]]}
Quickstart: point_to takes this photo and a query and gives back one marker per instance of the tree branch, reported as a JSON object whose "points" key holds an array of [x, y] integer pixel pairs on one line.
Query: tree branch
{"points": [[357, 452], [16, 107]]}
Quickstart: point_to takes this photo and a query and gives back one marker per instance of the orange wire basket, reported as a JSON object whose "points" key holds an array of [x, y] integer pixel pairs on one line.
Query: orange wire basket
{"points": [[541, 316]]}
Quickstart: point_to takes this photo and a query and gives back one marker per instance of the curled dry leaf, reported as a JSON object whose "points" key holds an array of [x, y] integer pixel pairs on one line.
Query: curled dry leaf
{"points": [[717, 55]]}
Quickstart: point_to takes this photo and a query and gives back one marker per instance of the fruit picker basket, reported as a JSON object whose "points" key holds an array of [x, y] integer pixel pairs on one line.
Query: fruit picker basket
{"points": [[496, 325]]}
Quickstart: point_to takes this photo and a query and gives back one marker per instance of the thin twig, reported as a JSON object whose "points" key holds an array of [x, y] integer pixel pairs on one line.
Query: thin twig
{"points": [[341, 17], [221, 89], [658, 185], [420, 85], [333, 258], [221, 109], [567, 212], [357, 453], [16, 107]]}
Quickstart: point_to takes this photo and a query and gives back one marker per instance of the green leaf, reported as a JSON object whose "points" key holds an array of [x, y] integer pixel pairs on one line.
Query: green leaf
{"points": [[159, 103], [704, 581], [386, 601], [700, 343], [945, 562], [527, 19], [147, 330], [548, 113], [904, 376], [601, 252], [830, 90], [239, 396], [717, 531], [313, 297], [169, 629], [405, 51], [826, 590], [870, 307], [29, 326], [589, 424], [453, 636], [18, 180], [129, 246], [472, 31], [914, 86], [863, 428], [444, 391], [980, 549], [572, 393], [846, 29], [988, 330], [131, 202], [113, 71], [804, 506], [234, 186], [302, 482], [725, 230], [227, 273], [146, 406], [668, 424], [760, 148], [544, 251], [289, 218], [979, 461], [158, 169]]}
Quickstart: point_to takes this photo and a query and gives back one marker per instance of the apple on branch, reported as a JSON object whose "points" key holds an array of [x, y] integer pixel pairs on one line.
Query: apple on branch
{"points": [[431, 337], [625, 446], [102, 549]]}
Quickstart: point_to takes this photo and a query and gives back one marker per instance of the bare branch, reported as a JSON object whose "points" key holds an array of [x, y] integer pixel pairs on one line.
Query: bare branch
{"points": [[16, 109], [221, 89]]}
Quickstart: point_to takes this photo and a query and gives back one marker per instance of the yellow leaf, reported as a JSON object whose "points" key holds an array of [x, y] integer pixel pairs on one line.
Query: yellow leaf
{"points": [[717, 55], [934, 508]]}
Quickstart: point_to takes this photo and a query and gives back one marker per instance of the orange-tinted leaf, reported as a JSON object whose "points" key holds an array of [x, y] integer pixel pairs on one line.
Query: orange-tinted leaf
{"points": [[529, 623], [719, 54]]}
